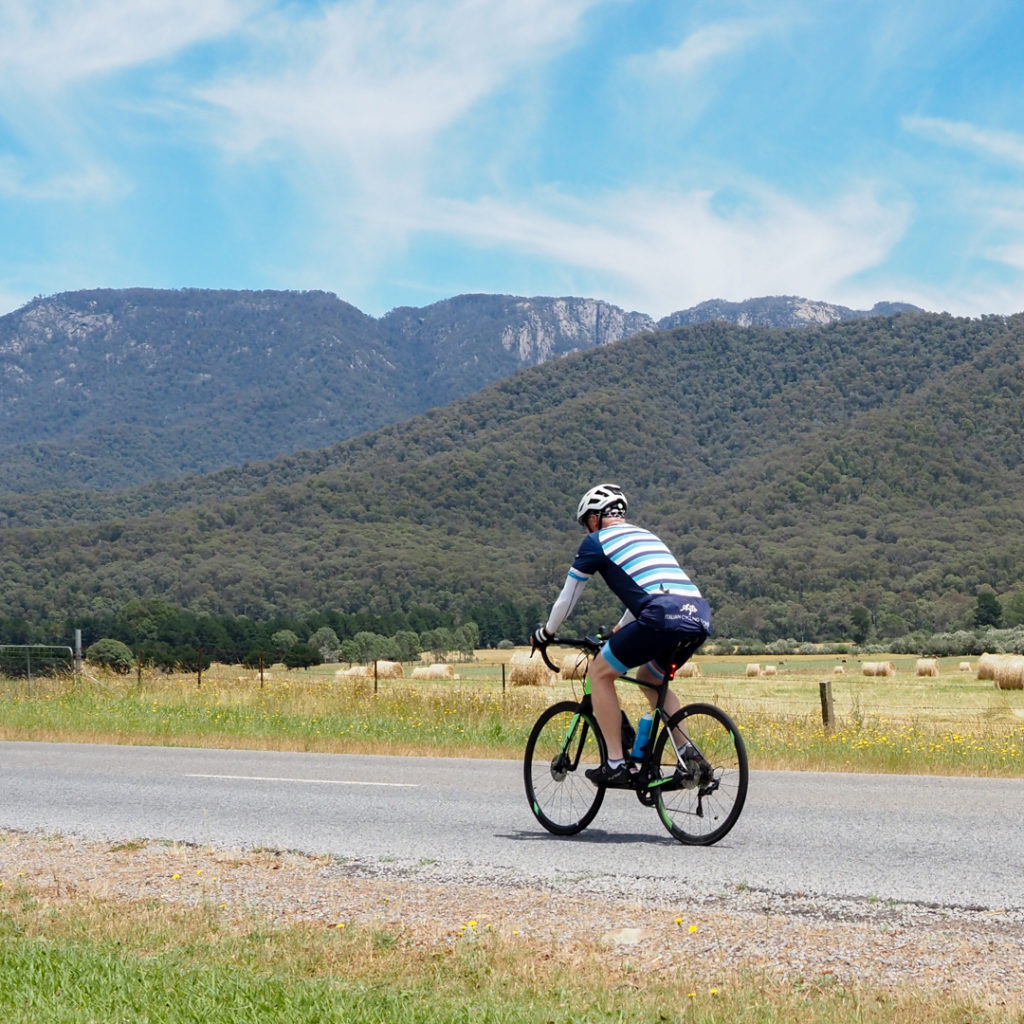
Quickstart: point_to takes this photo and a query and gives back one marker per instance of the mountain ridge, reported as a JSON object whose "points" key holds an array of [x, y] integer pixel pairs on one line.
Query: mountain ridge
{"points": [[112, 387]]}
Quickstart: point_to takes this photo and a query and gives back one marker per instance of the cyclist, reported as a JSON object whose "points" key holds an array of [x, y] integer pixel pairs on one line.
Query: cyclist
{"points": [[663, 609]]}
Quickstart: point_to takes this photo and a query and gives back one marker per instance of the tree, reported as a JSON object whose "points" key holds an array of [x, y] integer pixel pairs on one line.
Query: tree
{"points": [[860, 623], [189, 659], [439, 641], [466, 639], [283, 640], [111, 654], [369, 646], [255, 657], [988, 612], [349, 651], [325, 640], [1013, 609], [159, 655], [302, 655], [407, 645]]}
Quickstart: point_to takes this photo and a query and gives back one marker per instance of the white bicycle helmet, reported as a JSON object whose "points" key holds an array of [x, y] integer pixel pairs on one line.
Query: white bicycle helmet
{"points": [[602, 499]]}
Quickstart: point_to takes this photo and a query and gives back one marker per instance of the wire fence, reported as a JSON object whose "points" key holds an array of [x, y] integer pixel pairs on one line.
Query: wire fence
{"points": [[21, 665]]}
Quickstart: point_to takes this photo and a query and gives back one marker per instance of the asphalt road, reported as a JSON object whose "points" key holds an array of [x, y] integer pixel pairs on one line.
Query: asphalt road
{"points": [[939, 841]]}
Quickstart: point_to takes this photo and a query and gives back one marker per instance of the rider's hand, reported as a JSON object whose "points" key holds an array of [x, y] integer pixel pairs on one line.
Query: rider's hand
{"points": [[540, 637]]}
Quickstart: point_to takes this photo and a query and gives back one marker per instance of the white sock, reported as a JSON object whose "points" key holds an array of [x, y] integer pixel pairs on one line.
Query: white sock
{"points": [[617, 763]]}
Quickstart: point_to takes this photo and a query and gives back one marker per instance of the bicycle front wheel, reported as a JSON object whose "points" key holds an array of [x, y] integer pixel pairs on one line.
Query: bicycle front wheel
{"points": [[563, 743], [700, 799]]}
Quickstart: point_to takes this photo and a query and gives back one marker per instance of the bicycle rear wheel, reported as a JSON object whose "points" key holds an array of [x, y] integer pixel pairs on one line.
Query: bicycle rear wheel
{"points": [[563, 743], [700, 801]]}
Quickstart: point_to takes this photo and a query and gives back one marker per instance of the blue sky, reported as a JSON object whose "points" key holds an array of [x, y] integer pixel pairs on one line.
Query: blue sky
{"points": [[653, 153]]}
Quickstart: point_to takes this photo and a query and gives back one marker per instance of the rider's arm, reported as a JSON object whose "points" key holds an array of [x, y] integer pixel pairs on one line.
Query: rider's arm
{"points": [[566, 600], [627, 617]]}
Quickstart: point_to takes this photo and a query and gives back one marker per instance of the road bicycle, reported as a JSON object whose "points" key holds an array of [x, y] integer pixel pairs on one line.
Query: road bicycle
{"points": [[698, 790]]}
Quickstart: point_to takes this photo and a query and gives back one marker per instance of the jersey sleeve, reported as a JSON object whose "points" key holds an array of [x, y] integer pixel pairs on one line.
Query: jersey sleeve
{"points": [[566, 601], [589, 558]]}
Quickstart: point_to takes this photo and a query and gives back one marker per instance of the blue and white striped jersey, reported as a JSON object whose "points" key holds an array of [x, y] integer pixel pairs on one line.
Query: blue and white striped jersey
{"points": [[634, 563]]}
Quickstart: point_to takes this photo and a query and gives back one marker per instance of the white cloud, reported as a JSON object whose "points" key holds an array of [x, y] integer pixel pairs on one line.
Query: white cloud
{"points": [[703, 47], [49, 46], [1013, 255], [86, 182], [56, 59], [987, 142], [666, 251], [377, 78]]}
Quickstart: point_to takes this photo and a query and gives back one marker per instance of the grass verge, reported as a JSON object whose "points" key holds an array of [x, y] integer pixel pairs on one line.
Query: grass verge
{"points": [[94, 960]]}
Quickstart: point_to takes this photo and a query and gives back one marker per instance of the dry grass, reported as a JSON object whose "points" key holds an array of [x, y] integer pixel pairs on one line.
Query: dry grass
{"points": [[951, 724]]}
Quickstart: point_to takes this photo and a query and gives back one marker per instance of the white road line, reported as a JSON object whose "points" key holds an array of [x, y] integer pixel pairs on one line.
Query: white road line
{"points": [[325, 782]]}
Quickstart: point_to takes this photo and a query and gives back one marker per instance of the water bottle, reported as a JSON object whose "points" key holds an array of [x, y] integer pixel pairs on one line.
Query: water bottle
{"points": [[643, 734]]}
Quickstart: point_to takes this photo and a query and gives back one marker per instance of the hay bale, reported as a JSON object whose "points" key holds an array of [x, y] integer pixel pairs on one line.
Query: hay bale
{"points": [[527, 671], [574, 666], [753, 670], [770, 670], [987, 666], [691, 670], [926, 667], [389, 670], [353, 671], [1009, 673], [435, 671], [965, 666], [839, 670], [878, 668]]}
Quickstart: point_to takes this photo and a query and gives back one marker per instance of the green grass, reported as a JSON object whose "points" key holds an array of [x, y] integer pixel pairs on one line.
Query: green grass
{"points": [[951, 725], [94, 961]]}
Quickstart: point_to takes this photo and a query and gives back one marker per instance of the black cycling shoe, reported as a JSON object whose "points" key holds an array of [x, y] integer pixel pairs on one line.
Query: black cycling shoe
{"points": [[611, 778]]}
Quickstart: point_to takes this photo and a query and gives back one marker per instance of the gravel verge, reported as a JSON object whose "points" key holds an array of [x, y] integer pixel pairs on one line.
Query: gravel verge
{"points": [[794, 938]]}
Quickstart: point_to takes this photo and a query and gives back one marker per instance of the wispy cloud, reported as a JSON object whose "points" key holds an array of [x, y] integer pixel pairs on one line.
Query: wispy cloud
{"points": [[371, 78], [57, 61], [986, 142], [49, 46], [20, 181], [703, 49], [661, 251]]}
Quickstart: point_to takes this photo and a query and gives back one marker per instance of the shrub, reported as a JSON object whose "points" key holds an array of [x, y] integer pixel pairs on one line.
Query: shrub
{"points": [[112, 654]]}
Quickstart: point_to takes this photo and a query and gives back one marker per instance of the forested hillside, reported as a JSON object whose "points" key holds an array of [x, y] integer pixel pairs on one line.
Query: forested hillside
{"points": [[800, 473], [107, 388]]}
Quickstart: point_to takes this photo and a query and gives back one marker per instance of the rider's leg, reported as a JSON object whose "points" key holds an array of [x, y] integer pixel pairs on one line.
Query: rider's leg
{"points": [[672, 703], [647, 675], [606, 705]]}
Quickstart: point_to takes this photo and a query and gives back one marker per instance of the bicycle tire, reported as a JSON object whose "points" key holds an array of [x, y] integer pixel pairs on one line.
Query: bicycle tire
{"points": [[699, 808], [563, 743]]}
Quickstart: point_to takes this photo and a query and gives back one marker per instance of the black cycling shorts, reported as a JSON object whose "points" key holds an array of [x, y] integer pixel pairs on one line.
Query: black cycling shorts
{"points": [[651, 639]]}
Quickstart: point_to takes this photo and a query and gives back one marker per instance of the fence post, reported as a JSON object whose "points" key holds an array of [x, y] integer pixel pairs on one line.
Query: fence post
{"points": [[375, 677], [503, 679], [828, 716]]}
